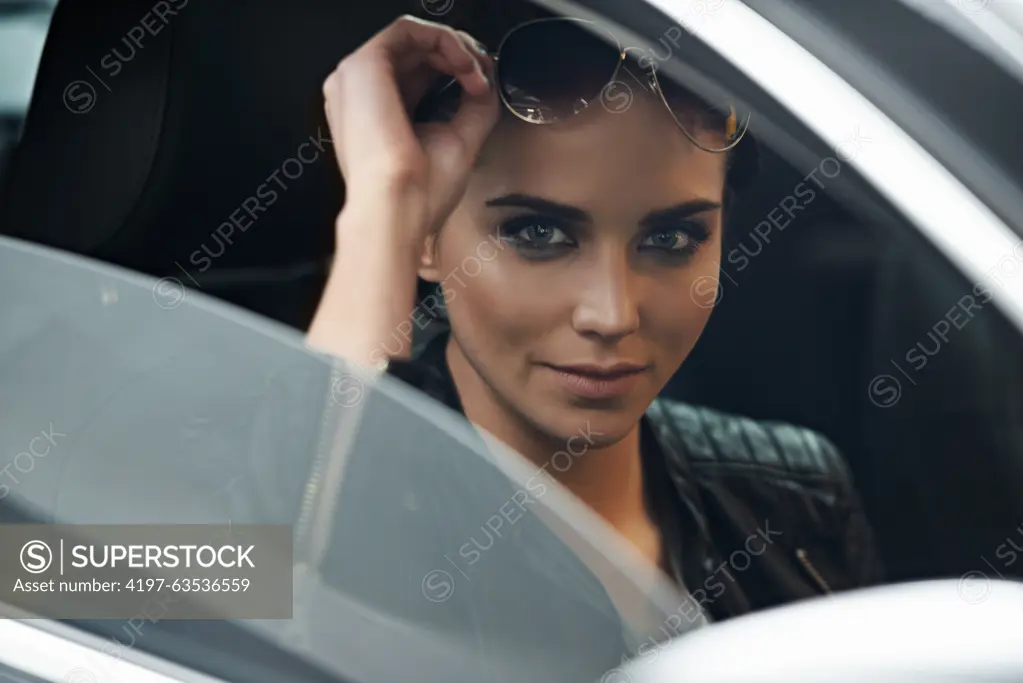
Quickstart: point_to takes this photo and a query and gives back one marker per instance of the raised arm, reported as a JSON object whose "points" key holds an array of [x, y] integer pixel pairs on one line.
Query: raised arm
{"points": [[402, 180]]}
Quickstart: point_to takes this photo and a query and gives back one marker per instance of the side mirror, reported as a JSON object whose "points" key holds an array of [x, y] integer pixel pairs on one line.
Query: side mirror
{"points": [[943, 631]]}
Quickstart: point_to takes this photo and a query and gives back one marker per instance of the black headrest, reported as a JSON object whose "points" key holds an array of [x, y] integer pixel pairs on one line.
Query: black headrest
{"points": [[154, 125]]}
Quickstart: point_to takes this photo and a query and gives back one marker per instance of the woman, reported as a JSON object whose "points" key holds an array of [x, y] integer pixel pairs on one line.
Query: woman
{"points": [[599, 229]]}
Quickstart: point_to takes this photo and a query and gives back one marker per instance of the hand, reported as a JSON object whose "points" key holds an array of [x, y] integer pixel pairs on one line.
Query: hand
{"points": [[382, 155], [402, 180]]}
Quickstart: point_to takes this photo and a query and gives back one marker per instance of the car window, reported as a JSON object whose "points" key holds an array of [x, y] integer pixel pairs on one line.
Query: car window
{"points": [[139, 403]]}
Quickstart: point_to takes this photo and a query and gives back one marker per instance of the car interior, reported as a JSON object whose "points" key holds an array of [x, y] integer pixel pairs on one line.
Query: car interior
{"points": [[144, 164]]}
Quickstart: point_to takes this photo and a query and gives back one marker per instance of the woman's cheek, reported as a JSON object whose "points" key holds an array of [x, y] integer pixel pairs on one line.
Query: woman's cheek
{"points": [[495, 307], [678, 318]]}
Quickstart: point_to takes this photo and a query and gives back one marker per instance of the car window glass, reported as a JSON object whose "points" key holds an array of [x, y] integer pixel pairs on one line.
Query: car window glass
{"points": [[136, 403]]}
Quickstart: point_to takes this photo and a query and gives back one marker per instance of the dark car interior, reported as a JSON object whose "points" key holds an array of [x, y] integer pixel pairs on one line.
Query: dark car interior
{"points": [[201, 114]]}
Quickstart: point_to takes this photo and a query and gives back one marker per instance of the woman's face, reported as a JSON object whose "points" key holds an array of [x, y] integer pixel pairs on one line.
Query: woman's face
{"points": [[581, 266]]}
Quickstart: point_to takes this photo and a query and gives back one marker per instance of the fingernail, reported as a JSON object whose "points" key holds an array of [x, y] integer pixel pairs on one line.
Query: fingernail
{"points": [[480, 47]]}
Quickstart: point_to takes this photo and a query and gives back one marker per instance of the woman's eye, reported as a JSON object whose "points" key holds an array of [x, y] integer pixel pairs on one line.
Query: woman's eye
{"points": [[535, 233], [670, 240]]}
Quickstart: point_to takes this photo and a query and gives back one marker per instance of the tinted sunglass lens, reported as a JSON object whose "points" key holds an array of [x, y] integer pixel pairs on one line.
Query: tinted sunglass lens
{"points": [[551, 70]]}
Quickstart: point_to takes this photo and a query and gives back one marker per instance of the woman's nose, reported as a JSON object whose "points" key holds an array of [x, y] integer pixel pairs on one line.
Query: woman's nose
{"points": [[607, 305]]}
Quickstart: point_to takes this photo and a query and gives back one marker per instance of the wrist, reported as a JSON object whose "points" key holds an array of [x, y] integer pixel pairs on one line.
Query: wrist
{"points": [[384, 226]]}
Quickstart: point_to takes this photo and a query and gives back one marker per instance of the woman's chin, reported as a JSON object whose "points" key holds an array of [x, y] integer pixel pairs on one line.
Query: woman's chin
{"points": [[587, 428]]}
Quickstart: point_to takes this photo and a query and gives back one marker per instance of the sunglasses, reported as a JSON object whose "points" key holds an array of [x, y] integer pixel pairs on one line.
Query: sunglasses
{"points": [[552, 69]]}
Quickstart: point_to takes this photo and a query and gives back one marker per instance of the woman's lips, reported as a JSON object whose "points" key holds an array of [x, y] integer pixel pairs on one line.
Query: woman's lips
{"points": [[591, 382]]}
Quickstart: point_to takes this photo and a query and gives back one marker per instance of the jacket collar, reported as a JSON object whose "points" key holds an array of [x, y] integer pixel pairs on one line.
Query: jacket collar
{"points": [[673, 465]]}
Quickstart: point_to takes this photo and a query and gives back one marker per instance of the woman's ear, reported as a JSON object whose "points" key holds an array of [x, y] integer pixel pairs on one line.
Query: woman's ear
{"points": [[428, 260]]}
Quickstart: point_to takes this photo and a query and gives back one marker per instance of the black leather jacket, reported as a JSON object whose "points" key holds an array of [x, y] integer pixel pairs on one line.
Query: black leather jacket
{"points": [[754, 513], [737, 481]]}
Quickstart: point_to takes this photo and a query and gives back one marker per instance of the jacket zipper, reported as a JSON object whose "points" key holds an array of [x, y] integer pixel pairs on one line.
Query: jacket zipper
{"points": [[804, 560]]}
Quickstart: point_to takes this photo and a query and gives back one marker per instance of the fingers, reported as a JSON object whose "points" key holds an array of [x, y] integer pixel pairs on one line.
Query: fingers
{"points": [[410, 41], [477, 114], [368, 97], [479, 51], [474, 120]]}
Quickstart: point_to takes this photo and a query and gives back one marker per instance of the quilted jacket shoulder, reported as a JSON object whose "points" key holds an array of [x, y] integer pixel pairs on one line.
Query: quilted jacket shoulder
{"points": [[712, 440], [732, 472]]}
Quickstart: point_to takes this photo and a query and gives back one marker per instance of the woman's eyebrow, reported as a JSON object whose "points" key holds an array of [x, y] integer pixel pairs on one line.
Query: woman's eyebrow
{"points": [[679, 211], [541, 205]]}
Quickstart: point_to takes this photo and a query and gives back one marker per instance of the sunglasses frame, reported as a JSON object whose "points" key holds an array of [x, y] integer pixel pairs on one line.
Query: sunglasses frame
{"points": [[653, 84]]}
